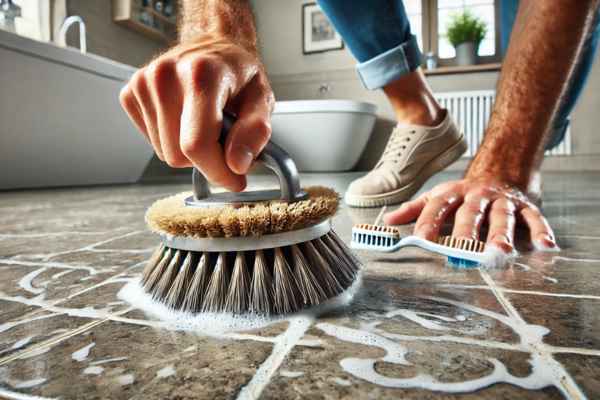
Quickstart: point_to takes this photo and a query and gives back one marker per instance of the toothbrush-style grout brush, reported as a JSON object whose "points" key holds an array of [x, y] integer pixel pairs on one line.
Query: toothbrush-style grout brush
{"points": [[465, 253]]}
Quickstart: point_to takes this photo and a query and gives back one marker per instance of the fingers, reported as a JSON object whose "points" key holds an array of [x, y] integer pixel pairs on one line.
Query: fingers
{"points": [[201, 121], [166, 96], [406, 213], [252, 130], [469, 216], [541, 233], [142, 95], [434, 214], [502, 225], [131, 107]]}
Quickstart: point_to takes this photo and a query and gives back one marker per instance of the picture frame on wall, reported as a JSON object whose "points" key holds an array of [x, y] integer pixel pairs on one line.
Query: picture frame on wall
{"points": [[318, 33]]}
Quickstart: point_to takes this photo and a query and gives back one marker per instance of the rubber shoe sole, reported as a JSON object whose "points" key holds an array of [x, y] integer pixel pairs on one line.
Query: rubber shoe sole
{"points": [[438, 164]]}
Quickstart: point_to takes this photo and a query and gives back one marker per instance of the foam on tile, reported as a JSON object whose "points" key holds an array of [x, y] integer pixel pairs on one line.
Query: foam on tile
{"points": [[495, 257], [217, 324], [165, 372], [93, 370], [82, 353]]}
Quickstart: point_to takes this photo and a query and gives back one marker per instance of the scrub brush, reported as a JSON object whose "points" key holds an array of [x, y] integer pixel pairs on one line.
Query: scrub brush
{"points": [[463, 253], [263, 252]]}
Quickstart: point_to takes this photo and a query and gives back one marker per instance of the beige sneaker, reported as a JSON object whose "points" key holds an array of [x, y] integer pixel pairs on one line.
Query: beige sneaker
{"points": [[412, 155]]}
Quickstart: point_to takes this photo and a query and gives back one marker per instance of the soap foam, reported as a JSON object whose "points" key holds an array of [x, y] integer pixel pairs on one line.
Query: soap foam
{"points": [[495, 257], [218, 324]]}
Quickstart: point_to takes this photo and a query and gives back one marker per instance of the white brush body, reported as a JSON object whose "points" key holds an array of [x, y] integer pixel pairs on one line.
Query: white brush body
{"points": [[415, 241]]}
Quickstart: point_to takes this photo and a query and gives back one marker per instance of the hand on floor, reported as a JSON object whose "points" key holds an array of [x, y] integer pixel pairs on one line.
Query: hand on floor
{"points": [[177, 100], [474, 201]]}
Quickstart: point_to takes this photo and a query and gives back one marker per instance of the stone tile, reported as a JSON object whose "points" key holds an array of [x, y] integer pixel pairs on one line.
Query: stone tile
{"points": [[559, 273], [585, 370], [201, 367], [448, 322], [319, 372], [37, 326], [572, 322]]}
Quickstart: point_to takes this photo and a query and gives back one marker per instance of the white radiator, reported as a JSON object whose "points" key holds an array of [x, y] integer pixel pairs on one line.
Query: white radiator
{"points": [[472, 110]]}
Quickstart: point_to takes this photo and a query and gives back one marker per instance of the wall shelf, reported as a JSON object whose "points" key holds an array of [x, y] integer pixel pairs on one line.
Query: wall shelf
{"points": [[144, 19]]}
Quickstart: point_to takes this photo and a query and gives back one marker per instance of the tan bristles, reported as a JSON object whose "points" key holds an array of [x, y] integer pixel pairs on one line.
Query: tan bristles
{"points": [[171, 216], [281, 280], [462, 243], [379, 228]]}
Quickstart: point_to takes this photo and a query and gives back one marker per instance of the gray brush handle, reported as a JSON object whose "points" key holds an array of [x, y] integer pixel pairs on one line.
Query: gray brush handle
{"points": [[273, 157]]}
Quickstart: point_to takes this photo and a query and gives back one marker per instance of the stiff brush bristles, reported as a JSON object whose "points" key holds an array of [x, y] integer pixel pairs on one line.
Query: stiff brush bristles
{"points": [[278, 281], [213, 259], [216, 293], [287, 294], [239, 287], [462, 244], [261, 292]]}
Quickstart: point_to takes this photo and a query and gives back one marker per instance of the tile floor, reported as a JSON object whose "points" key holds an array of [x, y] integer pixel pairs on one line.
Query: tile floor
{"points": [[415, 329]]}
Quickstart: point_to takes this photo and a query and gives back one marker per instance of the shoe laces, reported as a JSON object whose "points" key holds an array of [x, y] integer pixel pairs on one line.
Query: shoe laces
{"points": [[396, 146]]}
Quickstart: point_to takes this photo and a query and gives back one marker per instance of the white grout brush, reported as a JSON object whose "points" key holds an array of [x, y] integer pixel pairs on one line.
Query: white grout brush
{"points": [[464, 253]]}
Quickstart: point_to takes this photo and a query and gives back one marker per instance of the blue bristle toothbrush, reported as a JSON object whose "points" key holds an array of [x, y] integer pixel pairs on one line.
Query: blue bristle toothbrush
{"points": [[462, 253]]}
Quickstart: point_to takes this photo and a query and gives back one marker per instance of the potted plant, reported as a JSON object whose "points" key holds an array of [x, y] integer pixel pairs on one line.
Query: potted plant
{"points": [[465, 32]]}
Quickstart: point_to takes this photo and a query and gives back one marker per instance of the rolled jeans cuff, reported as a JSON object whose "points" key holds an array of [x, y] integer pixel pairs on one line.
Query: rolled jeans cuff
{"points": [[390, 65]]}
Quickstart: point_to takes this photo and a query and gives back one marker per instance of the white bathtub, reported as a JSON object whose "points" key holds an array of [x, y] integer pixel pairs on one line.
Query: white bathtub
{"points": [[61, 123]]}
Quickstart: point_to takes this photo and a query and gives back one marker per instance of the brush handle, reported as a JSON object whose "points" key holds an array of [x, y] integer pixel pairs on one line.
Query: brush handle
{"points": [[273, 157], [440, 249]]}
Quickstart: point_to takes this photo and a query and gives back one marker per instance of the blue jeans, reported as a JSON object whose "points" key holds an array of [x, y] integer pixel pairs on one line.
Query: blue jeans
{"points": [[378, 34]]}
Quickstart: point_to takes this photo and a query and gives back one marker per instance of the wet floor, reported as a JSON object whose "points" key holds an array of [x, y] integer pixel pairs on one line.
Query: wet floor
{"points": [[415, 328]]}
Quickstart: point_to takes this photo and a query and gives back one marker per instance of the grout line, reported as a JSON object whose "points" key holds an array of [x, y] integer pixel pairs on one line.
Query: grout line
{"points": [[519, 291], [284, 345], [562, 379], [57, 339], [380, 215]]}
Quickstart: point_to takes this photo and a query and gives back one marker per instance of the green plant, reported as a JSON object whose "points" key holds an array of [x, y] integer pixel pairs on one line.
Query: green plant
{"points": [[465, 27]]}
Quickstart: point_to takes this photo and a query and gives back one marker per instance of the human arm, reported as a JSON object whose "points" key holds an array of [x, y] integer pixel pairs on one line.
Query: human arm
{"points": [[176, 101], [502, 182]]}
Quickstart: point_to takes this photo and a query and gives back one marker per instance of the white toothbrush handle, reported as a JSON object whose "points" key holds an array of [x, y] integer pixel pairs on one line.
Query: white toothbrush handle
{"points": [[440, 249]]}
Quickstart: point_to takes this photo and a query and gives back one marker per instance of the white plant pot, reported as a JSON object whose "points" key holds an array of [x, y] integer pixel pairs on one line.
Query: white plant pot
{"points": [[466, 53]]}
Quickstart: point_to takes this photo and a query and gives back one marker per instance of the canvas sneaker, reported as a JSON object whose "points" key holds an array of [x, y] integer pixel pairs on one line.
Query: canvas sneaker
{"points": [[412, 155]]}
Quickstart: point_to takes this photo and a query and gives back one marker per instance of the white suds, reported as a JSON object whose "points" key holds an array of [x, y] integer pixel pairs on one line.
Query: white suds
{"points": [[494, 257], [165, 372], [93, 370], [342, 382], [125, 380], [82, 353], [27, 384], [20, 343], [290, 374], [211, 324], [219, 324], [108, 360], [6, 394]]}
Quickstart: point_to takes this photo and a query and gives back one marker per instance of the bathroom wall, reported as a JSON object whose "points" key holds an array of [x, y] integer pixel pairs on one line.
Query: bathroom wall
{"points": [[297, 76], [106, 38]]}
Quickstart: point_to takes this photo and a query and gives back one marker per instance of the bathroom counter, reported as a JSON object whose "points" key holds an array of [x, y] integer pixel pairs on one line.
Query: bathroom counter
{"points": [[415, 328]]}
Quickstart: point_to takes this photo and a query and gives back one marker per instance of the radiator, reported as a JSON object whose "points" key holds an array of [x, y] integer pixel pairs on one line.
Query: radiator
{"points": [[472, 109]]}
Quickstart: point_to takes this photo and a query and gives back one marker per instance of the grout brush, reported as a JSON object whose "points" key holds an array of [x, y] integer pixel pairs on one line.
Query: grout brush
{"points": [[462, 253], [264, 252]]}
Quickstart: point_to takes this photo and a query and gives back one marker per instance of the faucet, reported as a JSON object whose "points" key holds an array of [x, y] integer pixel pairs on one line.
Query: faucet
{"points": [[62, 34]]}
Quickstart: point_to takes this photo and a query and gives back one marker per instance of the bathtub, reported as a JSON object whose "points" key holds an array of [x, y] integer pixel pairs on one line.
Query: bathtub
{"points": [[61, 123]]}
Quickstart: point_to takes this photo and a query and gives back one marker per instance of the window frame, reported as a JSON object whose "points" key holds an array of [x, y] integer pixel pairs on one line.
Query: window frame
{"points": [[430, 34]]}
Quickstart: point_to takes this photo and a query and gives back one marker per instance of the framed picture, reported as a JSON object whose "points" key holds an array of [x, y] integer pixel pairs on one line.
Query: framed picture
{"points": [[318, 34]]}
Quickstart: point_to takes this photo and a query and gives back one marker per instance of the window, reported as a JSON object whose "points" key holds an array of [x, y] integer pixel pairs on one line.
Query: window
{"points": [[429, 20]]}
